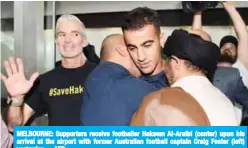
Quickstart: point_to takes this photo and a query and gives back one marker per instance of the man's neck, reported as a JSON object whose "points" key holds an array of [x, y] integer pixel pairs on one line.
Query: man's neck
{"points": [[73, 62], [224, 64], [159, 68], [187, 74]]}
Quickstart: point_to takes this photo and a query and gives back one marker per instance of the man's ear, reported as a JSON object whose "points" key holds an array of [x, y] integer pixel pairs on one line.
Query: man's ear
{"points": [[122, 51], [56, 42], [85, 42], [177, 61], [162, 39]]}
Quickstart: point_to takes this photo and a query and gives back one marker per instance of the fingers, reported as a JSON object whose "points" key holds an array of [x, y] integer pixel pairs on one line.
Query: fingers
{"points": [[2, 77], [20, 65], [7, 68], [13, 65], [33, 77]]}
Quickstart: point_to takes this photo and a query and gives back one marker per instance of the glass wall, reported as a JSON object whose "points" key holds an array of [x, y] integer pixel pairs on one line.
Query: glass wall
{"points": [[7, 39], [49, 22], [29, 36]]}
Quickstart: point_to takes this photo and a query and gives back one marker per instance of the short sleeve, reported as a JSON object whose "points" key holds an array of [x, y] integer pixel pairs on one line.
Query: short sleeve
{"points": [[34, 99]]}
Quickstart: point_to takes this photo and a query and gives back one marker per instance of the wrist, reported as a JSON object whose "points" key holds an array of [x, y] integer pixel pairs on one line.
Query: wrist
{"points": [[230, 8], [15, 101], [198, 13]]}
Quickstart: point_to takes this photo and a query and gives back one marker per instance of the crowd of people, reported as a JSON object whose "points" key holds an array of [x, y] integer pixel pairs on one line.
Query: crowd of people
{"points": [[196, 83]]}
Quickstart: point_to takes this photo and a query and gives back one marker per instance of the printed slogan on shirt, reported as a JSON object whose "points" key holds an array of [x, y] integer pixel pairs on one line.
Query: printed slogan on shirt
{"points": [[71, 90]]}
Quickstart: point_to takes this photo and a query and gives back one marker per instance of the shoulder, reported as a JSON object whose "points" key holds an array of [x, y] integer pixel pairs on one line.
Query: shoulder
{"points": [[130, 88], [45, 78], [226, 70], [99, 73], [226, 73], [49, 74], [134, 83], [90, 65]]}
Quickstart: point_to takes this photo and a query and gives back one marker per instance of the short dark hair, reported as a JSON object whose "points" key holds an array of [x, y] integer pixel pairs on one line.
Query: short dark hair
{"points": [[194, 68], [139, 17]]}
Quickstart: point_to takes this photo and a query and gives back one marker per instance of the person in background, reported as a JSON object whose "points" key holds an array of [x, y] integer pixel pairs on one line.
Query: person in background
{"points": [[6, 137], [228, 78], [234, 52], [57, 92]]}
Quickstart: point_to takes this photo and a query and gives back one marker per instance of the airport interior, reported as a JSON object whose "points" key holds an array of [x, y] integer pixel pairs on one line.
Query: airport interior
{"points": [[27, 28]]}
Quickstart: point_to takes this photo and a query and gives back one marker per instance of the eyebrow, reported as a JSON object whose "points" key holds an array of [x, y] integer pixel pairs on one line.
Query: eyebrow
{"points": [[74, 31], [82, 34], [130, 45], [60, 32], [148, 41], [142, 44]]}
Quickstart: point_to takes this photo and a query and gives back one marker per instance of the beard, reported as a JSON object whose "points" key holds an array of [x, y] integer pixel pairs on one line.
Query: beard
{"points": [[225, 57], [70, 53]]}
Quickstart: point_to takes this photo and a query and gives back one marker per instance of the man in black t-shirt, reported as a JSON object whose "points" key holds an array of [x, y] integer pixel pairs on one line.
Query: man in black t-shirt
{"points": [[57, 92]]}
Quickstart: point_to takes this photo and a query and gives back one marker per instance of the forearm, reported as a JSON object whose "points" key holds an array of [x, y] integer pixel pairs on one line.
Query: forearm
{"points": [[15, 114], [242, 34], [14, 117], [238, 23], [197, 21]]}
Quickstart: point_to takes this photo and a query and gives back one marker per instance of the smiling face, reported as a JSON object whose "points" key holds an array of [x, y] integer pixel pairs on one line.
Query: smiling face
{"points": [[144, 46], [69, 38]]}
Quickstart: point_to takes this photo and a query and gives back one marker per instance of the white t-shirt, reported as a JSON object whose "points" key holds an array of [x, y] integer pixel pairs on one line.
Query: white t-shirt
{"points": [[217, 106], [243, 71], [244, 74]]}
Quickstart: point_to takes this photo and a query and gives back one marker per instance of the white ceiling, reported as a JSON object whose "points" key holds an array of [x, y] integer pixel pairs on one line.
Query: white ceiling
{"points": [[102, 6]]}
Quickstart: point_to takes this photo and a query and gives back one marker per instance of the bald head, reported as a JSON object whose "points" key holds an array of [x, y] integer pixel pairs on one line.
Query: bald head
{"points": [[204, 35], [114, 50], [110, 44], [170, 106]]}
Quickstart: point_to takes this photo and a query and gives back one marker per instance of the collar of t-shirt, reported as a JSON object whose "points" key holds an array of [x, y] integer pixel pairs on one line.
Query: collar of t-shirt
{"points": [[63, 69], [191, 81], [159, 80]]}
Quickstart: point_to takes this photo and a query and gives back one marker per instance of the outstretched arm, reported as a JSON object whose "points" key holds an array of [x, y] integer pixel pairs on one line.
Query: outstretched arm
{"points": [[241, 31], [197, 21], [17, 86]]}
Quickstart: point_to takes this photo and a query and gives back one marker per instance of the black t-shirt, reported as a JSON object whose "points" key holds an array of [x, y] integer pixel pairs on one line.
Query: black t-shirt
{"points": [[59, 94]]}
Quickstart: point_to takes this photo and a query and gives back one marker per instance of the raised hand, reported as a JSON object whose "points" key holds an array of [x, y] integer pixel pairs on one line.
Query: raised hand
{"points": [[228, 4], [17, 85]]}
